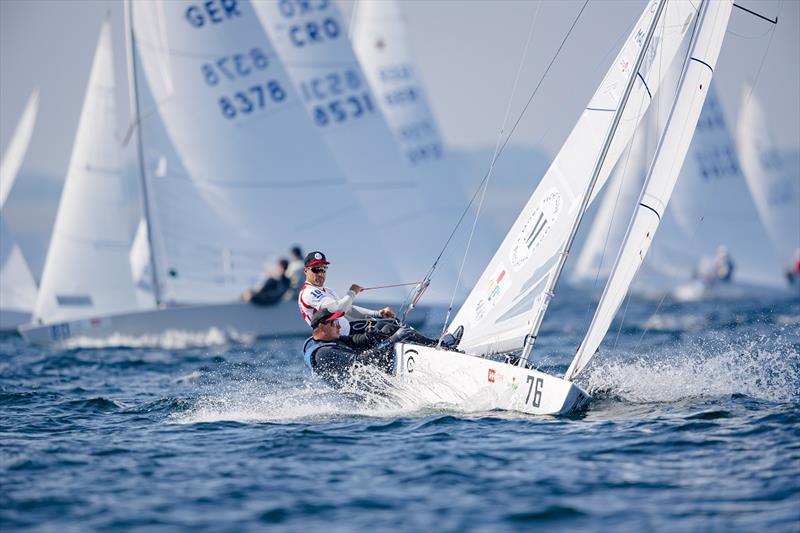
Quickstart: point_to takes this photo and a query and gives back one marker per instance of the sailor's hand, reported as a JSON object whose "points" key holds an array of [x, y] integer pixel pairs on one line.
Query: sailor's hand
{"points": [[388, 312], [246, 296], [356, 288]]}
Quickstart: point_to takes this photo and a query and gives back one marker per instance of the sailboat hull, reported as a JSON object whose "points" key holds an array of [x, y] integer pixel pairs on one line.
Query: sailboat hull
{"points": [[460, 379], [236, 320]]}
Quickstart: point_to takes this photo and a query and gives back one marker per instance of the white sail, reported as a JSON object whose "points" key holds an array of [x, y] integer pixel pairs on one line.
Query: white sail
{"points": [[673, 146], [384, 51], [312, 44], [775, 191], [15, 151], [86, 271], [17, 286], [497, 315], [245, 139], [611, 220], [712, 204]]}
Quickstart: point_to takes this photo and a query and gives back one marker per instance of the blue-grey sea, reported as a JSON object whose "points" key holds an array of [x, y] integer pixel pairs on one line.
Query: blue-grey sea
{"points": [[694, 426]]}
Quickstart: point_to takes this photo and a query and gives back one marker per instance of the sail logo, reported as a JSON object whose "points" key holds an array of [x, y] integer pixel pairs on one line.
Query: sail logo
{"points": [[495, 288], [490, 377], [536, 228]]}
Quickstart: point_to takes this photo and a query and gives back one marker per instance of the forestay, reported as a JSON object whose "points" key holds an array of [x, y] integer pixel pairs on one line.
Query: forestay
{"points": [[775, 191], [15, 151], [497, 314], [673, 146], [243, 136], [712, 204], [86, 272], [311, 42]]}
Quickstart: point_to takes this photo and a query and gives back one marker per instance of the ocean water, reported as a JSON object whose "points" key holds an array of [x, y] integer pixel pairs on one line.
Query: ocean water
{"points": [[694, 426]]}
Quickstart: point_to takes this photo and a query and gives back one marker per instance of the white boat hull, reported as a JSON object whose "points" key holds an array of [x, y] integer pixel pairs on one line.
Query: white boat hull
{"points": [[236, 320], [459, 378]]}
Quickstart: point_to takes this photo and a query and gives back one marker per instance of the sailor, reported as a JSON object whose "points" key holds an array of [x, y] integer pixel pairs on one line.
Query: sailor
{"points": [[272, 290], [723, 265], [332, 356], [295, 270], [314, 295]]}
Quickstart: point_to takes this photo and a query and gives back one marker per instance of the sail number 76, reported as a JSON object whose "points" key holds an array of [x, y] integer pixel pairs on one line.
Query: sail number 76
{"points": [[535, 387]]}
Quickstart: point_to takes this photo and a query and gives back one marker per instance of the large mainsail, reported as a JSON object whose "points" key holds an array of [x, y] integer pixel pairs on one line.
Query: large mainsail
{"points": [[244, 138], [712, 171], [497, 315], [86, 271], [312, 44], [673, 146], [775, 191]]}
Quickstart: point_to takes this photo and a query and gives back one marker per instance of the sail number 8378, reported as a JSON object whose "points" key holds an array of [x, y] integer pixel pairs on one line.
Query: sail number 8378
{"points": [[245, 102]]}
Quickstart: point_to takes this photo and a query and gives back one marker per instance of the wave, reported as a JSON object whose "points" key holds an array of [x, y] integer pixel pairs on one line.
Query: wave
{"points": [[169, 340], [766, 367]]}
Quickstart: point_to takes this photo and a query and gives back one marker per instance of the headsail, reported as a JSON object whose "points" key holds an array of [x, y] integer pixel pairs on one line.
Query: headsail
{"points": [[775, 191], [15, 151], [611, 221], [497, 315], [673, 146], [86, 271]]}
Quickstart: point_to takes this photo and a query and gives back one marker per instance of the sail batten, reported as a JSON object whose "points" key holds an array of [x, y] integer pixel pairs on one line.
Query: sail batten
{"points": [[664, 171]]}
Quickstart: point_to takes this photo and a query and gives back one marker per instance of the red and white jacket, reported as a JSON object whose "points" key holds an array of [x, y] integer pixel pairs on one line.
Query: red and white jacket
{"points": [[311, 299]]}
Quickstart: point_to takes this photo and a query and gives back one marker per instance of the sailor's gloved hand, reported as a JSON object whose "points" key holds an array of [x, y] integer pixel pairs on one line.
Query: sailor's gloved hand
{"points": [[401, 334]]}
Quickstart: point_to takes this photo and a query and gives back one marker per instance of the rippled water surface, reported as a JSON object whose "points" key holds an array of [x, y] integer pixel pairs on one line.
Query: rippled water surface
{"points": [[694, 426]]}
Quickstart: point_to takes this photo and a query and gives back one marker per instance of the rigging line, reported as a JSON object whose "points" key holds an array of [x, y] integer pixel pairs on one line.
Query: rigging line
{"points": [[502, 147], [490, 172], [764, 57]]}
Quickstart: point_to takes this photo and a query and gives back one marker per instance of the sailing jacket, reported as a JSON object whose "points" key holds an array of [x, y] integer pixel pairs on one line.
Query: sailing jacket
{"points": [[312, 298]]}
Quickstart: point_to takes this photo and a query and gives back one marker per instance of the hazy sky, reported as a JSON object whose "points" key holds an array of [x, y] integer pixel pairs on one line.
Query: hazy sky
{"points": [[468, 53]]}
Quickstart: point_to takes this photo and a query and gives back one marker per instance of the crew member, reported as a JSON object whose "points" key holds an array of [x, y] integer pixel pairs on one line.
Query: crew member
{"points": [[314, 295], [332, 356], [272, 290]]}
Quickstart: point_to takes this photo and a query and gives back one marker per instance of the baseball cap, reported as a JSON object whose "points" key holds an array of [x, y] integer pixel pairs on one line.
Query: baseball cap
{"points": [[316, 259], [323, 315]]}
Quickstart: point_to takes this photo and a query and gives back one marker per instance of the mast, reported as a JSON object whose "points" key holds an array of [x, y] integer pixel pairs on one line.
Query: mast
{"points": [[549, 291], [134, 97]]}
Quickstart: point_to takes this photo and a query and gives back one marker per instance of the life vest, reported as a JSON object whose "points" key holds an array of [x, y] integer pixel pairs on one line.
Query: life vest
{"points": [[311, 346]]}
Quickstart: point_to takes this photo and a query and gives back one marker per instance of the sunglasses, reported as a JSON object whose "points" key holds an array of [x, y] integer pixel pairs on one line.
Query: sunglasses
{"points": [[319, 270]]}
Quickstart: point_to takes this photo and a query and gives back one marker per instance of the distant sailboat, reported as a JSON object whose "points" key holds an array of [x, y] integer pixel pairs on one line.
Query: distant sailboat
{"points": [[86, 272], [505, 310], [775, 191], [17, 285], [728, 224]]}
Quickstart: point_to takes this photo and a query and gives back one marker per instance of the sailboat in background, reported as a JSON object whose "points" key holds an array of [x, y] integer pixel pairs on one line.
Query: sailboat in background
{"points": [[17, 284], [775, 192], [504, 312], [247, 158], [86, 271]]}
